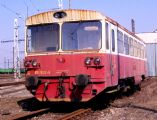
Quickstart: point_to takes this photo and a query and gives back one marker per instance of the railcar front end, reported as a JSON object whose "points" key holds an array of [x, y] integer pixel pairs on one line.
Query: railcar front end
{"points": [[63, 59]]}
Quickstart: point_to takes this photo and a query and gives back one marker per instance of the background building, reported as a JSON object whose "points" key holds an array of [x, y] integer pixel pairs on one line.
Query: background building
{"points": [[150, 39]]}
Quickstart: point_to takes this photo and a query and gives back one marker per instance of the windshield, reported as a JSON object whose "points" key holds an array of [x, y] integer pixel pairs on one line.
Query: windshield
{"points": [[81, 35], [43, 38]]}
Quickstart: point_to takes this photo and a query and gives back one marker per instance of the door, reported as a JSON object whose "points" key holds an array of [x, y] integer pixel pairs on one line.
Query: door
{"points": [[113, 55]]}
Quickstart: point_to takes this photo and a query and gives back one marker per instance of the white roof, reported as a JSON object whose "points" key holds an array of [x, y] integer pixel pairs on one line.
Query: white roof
{"points": [[148, 37]]}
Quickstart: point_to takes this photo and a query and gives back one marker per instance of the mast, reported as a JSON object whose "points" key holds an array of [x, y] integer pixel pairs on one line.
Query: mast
{"points": [[16, 61]]}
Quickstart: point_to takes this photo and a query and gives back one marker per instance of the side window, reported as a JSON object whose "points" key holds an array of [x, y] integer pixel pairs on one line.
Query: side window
{"points": [[107, 35], [138, 47], [120, 41], [113, 40], [126, 45], [142, 51], [131, 46], [135, 48]]}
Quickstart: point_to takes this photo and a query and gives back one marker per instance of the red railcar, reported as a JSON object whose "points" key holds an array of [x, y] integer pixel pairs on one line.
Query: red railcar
{"points": [[74, 55]]}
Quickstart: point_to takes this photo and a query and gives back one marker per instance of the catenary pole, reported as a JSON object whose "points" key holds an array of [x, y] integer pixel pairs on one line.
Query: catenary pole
{"points": [[16, 51]]}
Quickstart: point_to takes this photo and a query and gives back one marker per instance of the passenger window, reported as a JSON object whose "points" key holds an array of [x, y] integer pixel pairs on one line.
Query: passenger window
{"points": [[113, 41], [135, 48], [120, 42], [140, 50], [126, 44], [138, 47], [131, 46]]}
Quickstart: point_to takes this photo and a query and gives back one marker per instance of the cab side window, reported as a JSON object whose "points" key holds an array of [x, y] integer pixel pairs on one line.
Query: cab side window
{"points": [[113, 41], [107, 35]]}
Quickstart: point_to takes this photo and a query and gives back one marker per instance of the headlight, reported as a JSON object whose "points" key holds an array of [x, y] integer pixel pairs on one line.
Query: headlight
{"points": [[26, 63], [88, 61], [59, 15], [97, 61], [34, 63]]}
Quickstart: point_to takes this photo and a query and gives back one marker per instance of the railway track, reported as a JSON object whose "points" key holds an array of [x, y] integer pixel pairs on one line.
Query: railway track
{"points": [[75, 114], [13, 87], [12, 91], [6, 76], [125, 105], [9, 76], [24, 116], [72, 115], [11, 83], [7, 88]]}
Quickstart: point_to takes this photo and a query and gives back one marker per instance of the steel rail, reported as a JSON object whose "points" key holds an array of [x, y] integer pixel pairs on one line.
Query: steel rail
{"points": [[24, 116], [10, 92], [74, 114], [12, 83], [6, 77], [9, 76]]}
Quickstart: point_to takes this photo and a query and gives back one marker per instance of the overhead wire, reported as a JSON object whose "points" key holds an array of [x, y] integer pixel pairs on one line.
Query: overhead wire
{"points": [[9, 9], [25, 3], [4, 6], [34, 6]]}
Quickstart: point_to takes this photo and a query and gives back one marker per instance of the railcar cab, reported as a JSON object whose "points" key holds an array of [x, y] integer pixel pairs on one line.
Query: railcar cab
{"points": [[64, 49]]}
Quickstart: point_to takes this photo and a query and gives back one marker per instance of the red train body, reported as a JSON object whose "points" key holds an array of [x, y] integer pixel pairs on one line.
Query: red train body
{"points": [[74, 55]]}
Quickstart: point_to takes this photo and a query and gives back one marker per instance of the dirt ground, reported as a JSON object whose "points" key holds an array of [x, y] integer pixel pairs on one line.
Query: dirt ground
{"points": [[142, 105]]}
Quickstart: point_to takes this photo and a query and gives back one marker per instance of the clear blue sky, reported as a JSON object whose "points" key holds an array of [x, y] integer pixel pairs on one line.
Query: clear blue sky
{"points": [[144, 12]]}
